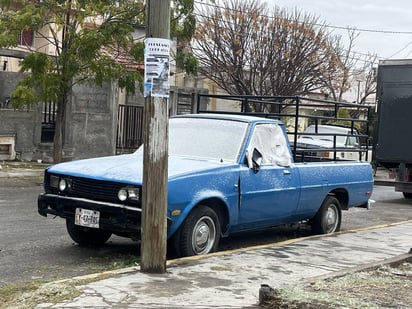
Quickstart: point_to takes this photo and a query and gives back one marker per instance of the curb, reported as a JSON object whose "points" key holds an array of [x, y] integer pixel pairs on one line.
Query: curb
{"points": [[396, 260], [189, 259]]}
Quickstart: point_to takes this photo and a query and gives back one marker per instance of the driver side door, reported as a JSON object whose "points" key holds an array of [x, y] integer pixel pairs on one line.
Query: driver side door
{"points": [[269, 194]]}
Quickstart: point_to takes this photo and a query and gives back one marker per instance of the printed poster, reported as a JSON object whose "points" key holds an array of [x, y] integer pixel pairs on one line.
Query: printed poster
{"points": [[156, 67]]}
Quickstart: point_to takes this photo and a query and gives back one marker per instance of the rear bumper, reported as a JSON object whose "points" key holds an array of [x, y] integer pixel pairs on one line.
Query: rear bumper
{"points": [[119, 219]]}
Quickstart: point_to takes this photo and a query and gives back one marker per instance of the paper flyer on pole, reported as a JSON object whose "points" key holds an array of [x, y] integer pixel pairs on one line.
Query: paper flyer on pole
{"points": [[156, 67]]}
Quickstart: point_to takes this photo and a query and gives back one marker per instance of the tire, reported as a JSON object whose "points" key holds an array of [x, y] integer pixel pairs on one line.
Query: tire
{"points": [[87, 236], [328, 218], [199, 233]]}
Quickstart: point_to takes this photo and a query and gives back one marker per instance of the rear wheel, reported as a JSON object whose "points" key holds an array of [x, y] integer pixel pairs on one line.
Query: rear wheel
{"points": [[199, 233], [86, 236], [328, 219]]}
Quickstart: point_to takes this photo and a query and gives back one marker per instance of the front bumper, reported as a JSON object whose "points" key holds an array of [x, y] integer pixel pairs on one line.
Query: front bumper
{"points": [[117, 218]]}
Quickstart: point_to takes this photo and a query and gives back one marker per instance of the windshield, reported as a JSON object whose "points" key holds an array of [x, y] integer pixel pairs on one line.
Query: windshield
{"points": [[205, 138]]}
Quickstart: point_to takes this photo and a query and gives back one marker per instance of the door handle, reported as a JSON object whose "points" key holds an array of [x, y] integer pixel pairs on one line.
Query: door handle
{"points": [[286, 172]]}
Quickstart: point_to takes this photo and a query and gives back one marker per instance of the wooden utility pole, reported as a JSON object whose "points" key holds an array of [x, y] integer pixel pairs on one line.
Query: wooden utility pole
{"points": [[155, 158]]}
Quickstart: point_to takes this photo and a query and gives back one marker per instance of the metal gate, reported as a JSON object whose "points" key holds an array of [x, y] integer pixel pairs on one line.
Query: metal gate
{"points": [[129, 128], [48, 122]]}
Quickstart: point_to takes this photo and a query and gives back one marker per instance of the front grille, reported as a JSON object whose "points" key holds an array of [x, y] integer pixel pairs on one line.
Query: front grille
{"points": [[98, 190], [95, 189]]}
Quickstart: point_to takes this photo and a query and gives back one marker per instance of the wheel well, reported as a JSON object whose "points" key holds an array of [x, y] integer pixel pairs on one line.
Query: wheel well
{"points": [[342, 196], [221, 210]]}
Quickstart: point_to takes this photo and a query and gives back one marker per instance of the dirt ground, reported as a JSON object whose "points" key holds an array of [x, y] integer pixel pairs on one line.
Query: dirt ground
{"points": [[385, 286]]}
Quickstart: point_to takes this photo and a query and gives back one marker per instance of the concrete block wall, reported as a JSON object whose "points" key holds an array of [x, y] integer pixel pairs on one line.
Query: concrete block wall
{"points": [[90, 127], [91, 122], [25, 127], [8, 81]]}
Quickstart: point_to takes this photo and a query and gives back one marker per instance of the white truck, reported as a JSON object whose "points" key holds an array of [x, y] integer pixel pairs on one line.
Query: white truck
{"points": [[331, 142]]}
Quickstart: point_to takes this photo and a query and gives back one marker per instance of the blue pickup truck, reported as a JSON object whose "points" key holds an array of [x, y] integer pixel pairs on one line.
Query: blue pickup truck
{"points": [[227, 174]]}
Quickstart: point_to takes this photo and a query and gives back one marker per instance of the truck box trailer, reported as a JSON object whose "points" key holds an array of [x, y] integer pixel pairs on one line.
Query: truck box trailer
{"points": [[393, 128]]}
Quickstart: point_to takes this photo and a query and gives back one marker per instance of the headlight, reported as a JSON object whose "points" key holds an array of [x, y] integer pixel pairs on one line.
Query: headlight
{"points": [[62, 184], [129, 193], [122, 195]]}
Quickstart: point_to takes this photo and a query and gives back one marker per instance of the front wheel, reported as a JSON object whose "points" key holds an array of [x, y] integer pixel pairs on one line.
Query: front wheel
{"points": [[199, 233], [328, 218], [86, 236]]}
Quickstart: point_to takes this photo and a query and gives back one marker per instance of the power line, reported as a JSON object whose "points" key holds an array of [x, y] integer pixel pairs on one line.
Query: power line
{"points": [[215, 6], [402, 49], [320, 25], [355, 55]]}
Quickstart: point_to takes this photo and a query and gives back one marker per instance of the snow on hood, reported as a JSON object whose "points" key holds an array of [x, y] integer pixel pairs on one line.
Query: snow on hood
{"points": [[314, 143], [127, 168]]}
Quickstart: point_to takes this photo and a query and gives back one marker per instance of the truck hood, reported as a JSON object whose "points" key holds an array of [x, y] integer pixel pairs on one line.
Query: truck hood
{"points": [[316, 143], [128, 168]]}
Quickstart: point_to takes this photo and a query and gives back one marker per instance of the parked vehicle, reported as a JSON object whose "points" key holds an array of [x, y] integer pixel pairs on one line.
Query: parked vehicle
{"points": [[335, 142], [392, 147], [227, 174]]}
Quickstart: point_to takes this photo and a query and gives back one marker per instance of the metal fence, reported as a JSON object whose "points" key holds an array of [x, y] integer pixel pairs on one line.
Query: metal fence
{"points": [[48, 122], [129, 128]]}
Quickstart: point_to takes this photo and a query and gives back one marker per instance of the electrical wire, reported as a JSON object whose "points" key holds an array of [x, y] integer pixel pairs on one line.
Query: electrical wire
{"points": [[348, 28], [323, 25]]}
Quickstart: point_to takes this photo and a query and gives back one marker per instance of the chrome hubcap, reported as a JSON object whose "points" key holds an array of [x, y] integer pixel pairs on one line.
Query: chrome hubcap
{"points": [[204, 236], [331, 219]]}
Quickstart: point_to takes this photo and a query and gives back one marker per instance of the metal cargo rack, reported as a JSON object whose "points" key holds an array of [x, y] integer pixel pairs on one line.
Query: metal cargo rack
{"points": [[295, 111]]}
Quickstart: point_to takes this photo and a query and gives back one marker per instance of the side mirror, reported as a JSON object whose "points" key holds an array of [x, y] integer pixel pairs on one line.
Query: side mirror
{"points": [[256, 160]]}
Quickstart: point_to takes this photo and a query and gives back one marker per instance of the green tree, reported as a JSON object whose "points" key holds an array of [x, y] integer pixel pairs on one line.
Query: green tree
{"points": [[87, 38], [182, 28], [85, 35]]}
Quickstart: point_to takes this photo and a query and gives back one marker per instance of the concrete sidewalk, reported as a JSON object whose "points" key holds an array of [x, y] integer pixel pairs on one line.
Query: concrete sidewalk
{"points": [[21, 169], [232, 279]]}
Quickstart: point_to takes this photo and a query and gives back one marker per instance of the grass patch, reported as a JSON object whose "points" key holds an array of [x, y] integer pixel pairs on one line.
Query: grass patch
{"points": [[381, 287], [28, 295], [124, 262]]}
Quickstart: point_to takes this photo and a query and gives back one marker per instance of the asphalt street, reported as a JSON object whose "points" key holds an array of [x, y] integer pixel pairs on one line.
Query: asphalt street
{"points": [[34, 247]]}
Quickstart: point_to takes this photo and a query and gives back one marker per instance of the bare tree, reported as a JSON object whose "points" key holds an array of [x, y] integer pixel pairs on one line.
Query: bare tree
{"points": [[246, 49], [369, 71], [351, 66], [338, 82]]}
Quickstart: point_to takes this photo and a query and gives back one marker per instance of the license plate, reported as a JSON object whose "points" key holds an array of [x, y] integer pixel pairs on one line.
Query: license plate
{"points": [[87, 218]]}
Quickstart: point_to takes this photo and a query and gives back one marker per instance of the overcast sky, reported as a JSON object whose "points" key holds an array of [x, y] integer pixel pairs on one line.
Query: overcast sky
{"points": [[377, 15]]}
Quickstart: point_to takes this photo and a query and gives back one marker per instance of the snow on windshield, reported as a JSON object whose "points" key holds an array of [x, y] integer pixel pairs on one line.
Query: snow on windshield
{"points": [[205, 138]]}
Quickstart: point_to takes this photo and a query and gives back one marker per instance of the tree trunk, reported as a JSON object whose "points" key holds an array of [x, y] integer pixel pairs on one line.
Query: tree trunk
{"points": [[59, 131]]}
